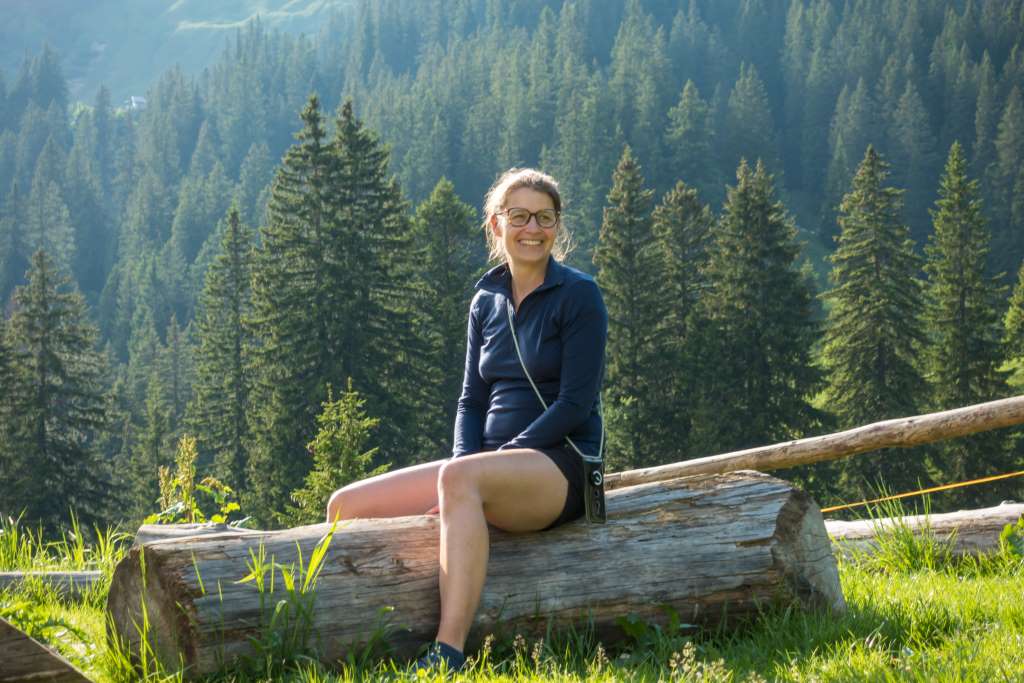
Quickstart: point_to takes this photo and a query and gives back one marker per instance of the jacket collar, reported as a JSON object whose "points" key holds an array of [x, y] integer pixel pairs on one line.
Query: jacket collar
{"points": [[499, 281]]}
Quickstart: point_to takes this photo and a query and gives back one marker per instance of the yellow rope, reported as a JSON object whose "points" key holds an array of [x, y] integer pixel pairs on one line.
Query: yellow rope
{"points": [[921, 491]]}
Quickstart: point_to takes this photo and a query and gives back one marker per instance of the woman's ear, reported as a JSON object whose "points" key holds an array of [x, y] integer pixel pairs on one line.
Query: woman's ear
{"points": [[495, 228]]}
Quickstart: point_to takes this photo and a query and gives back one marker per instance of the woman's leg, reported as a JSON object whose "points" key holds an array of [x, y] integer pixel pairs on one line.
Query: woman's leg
{"points": [[408, 491], [515, 490]]}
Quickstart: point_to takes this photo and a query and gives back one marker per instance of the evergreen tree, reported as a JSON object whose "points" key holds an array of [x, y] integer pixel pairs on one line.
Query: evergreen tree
{"points": [[151, 449], [445, 231], [57, 400], [1006, 178], [223, 367], [914, 159], [759, 327], [749, 128], [629, 279], [47, 219], [13, 260], [874, 331], [338, 454], [964, 352], [681, 225], [290, 319], [254, 184], [690, 137]]}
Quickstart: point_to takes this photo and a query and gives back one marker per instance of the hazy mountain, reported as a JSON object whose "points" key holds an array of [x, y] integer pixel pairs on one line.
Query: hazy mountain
{"points": [[125, 45]]}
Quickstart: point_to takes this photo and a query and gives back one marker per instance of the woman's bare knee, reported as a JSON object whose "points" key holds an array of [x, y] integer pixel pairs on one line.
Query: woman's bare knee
{"points": [[457, 480], [339, 506]]}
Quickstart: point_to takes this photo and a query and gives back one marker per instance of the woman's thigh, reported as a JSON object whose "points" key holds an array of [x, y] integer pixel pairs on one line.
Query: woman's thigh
{"points": [[522, 489], [407, 491]]}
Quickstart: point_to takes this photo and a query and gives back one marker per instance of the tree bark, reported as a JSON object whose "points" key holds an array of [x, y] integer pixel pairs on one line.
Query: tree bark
{"points": [[23, 660], [969, 532], [899, 433], [707, 548]]}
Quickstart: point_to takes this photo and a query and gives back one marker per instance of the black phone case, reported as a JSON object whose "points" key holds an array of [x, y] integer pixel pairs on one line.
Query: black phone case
{"points": [[593, 492]]}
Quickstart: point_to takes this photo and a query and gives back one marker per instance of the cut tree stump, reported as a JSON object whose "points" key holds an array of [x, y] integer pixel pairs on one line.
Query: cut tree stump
{"points": [[972, 532], [707, 548], [22, 660]]}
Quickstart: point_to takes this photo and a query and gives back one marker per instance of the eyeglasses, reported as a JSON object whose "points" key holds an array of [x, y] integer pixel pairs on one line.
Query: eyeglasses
{"points": [[517, 218]]}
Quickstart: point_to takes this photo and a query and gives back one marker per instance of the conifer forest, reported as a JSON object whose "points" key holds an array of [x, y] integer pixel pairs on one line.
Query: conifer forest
{"points": [[804, 216]]}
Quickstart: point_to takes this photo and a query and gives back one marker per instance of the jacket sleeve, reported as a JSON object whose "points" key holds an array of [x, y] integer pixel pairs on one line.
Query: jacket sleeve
{"points": [[584, 332], [472, 408]]}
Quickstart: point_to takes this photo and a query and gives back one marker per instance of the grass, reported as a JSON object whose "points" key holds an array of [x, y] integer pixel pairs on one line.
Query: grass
{"points": [[915, 613]]}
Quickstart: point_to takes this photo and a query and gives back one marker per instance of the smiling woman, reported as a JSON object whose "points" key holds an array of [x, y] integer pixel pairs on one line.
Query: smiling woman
{"points": [[511, 467]]}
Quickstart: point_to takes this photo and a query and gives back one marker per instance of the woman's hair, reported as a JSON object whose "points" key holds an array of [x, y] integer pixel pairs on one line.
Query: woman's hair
{"points": [[494, 202]]}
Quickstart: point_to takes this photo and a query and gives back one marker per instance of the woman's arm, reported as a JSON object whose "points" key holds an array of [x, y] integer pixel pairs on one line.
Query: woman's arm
{"points": [[469, 417], [584, 333]]}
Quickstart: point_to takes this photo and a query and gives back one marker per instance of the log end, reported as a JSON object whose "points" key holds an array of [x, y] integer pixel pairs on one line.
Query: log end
{"points": [[143, 619], [804, 554]]}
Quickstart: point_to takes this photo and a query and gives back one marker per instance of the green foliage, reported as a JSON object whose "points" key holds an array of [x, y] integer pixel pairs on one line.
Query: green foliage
{"points": [[963, 303], [627, 273], [56, 401], [179, 499], [286, 616], [874, 333], [224, 376], [449, 255], [758, 373], [338, 455]]}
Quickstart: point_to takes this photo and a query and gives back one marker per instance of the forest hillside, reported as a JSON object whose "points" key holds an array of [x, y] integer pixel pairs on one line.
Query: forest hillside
{"points": [[804, 215]]}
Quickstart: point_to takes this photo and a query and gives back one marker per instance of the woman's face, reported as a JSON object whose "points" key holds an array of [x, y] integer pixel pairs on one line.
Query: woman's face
{"points": [[530, 244]]}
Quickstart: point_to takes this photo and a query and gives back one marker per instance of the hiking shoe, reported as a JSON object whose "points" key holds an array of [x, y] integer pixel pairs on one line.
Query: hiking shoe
{"points": [[441, 656]]}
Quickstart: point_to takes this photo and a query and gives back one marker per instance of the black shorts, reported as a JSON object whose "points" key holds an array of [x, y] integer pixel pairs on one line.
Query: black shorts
{"points": [[572, 468]]}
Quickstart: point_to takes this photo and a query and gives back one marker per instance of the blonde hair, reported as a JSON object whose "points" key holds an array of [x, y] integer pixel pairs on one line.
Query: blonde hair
{"points": [[494, 202]]}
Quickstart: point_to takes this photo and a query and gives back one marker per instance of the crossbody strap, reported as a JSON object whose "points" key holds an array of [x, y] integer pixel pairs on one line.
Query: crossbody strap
{"points": [[519, 354]]}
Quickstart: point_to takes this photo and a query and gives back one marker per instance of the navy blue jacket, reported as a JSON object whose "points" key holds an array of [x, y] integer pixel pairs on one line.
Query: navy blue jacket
{"points": [[562, 328]]}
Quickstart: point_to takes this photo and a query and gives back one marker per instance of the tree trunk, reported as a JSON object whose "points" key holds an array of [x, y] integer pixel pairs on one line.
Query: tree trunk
{"points": [[705, 548], [904, 432], [23, 660], [969, 532]]}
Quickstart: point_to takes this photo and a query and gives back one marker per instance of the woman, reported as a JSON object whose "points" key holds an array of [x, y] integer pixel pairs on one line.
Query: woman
{"points": [[511, 468]]}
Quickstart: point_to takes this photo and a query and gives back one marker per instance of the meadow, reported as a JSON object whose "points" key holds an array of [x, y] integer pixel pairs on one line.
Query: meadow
{"points": [[915, 613]]}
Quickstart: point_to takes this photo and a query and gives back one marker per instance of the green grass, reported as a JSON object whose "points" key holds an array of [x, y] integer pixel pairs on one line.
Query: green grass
{"points": [[915, 613]]}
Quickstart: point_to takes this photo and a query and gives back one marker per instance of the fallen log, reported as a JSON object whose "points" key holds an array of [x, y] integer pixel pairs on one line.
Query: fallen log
{"points": [[23, 660], [903, 432], [159, 532], [707, 548], [969, 532], [69, 585]]}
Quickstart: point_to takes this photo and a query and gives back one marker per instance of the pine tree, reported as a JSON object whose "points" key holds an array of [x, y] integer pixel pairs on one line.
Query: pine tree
{"points": [[964, 352], [628, 277], [445, 231], [371, 277], [338, 454], [151, 449], [290, 318], [914, 159], [690, 137], [759, 327], [57, 400], [681, 225], [8, 455], [223, 373], [1004, 176], [750, 131], [874, 331]]}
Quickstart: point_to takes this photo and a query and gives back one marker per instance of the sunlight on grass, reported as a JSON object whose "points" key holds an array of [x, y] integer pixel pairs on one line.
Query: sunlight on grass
{"points": [[915, 613]]}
